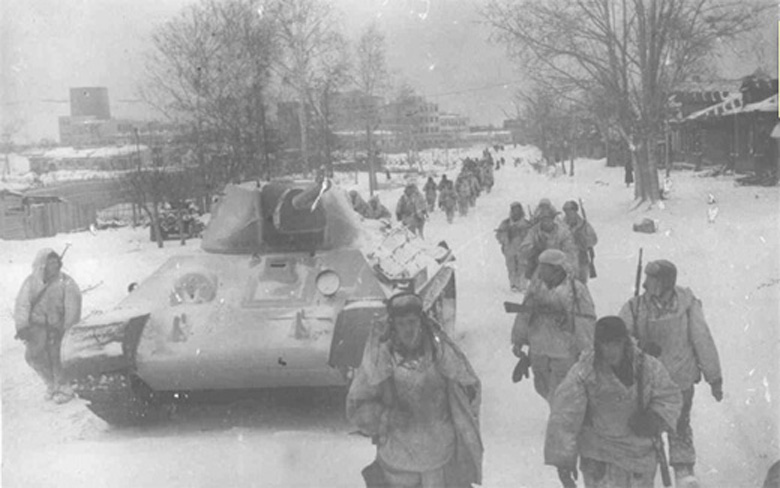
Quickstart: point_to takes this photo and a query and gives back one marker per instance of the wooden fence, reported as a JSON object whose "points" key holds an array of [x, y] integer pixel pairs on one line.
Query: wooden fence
{"points": [[44, 220]]}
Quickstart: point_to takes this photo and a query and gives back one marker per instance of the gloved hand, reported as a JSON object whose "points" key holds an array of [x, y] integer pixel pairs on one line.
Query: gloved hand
{"points": [[24, 334], [716, 387], [568, 476], [523, 365], [646, 423], [652, 349]]}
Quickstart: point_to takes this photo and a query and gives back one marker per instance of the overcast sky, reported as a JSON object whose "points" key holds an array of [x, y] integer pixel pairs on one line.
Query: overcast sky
{"points": [[438, 46]]}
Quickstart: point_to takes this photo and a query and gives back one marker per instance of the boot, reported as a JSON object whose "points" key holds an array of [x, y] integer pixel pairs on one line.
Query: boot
{"points": [[684, 477]]}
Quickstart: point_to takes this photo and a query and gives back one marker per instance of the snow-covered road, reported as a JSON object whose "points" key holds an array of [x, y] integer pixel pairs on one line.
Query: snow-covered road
{"points": [[287, 439]]}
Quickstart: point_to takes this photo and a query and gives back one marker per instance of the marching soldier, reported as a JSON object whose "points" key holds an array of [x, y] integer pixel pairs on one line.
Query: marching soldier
{"points": [[547, 233], [510, 235], [668, 321], [555, 324], [585, 238], [609, 410], [412, 210]]}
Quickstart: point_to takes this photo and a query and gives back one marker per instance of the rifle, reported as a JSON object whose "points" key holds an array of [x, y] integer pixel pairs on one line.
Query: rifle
{"points": [[591, 252]]}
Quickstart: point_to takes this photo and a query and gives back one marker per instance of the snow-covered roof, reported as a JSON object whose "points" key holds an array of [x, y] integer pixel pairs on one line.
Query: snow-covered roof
{"points": [[92, 152], [734, 104], [768, 105], [730, 106]]}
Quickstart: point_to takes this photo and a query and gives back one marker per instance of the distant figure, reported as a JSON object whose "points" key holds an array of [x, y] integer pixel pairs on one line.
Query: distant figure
{"points": [[585, 238], [510, 234], [48, 304], [547, 233], [448, 197], [463, 189], [629, 173], [430, 193], [412, 210], [358, 204], [376, 210]]}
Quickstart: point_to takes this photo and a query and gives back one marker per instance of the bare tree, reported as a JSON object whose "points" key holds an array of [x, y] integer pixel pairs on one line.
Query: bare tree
{"points": [[333, 75], [371, 76], [9, 131], [210, 69], [309, 40], [630, 53]]}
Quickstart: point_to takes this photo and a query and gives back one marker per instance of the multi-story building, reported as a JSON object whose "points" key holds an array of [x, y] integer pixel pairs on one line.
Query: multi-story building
{"points": [[352, 110], [453, 128], [415, 119]]}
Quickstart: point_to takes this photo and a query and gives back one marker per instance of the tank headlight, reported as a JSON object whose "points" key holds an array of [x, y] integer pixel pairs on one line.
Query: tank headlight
{"points": [[194, 288], [328, 282]]}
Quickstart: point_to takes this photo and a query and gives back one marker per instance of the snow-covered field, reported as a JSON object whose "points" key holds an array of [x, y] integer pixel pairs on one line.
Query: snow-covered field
{"points": [[299, 439]]}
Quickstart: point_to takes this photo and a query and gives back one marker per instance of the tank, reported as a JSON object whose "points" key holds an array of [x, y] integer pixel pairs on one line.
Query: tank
{"points": [[287, 284]]}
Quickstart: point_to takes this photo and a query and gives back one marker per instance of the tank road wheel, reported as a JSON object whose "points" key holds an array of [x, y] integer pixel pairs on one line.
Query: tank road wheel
{"points": [[121, 399]]}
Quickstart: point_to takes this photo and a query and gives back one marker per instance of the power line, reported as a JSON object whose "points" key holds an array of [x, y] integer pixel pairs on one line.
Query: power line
{"points": [[479, 88]]}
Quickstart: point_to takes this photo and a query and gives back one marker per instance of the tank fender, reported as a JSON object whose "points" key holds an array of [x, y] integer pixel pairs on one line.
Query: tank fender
{"points": [[353, 325], [105, 347]]}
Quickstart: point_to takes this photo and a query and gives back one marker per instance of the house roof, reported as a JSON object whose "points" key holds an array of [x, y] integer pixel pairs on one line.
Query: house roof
{"points": [[735, 105], [767, 105], [729, 106]]}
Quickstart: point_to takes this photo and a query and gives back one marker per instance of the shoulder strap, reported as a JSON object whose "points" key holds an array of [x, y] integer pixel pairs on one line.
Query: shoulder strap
{"points": [[35, 301]]}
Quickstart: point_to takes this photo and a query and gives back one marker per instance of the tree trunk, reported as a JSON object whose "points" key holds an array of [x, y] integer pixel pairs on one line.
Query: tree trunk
{"points": [[372, 183], [645, 173], [303, 125]]}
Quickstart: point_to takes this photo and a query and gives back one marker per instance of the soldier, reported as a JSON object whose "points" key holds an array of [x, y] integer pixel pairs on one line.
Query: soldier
{"points": [[556, 323], [430, 193], [411, 209], [607, 410], [417, 396], [487, 178], [376, 210], [448, 199], [510, 235], [476, 187], [585, 238], [547, 233], [463, 189], [444, 182], [48, 304], [358, 204], [668, 321]]}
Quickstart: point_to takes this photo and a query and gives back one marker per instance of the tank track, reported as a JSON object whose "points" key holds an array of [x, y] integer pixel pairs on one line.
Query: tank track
{"points": [[120, 398]]}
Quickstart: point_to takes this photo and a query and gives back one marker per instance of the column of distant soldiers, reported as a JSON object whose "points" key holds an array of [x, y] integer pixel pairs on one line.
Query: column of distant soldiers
{"points": [[414, 206], [614, 384]]}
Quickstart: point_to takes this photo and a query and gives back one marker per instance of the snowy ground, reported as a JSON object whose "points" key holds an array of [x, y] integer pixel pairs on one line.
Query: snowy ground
{"points": [[289, 439]]}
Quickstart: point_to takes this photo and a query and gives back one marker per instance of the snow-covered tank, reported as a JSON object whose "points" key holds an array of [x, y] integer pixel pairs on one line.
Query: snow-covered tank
{"points": [[283, 292]]}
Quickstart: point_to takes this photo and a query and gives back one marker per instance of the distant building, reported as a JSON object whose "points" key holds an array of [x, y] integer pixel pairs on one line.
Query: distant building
{"points": [[415, 119], [90, 102], [453, 128], [350, 110], [90, 123]]}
